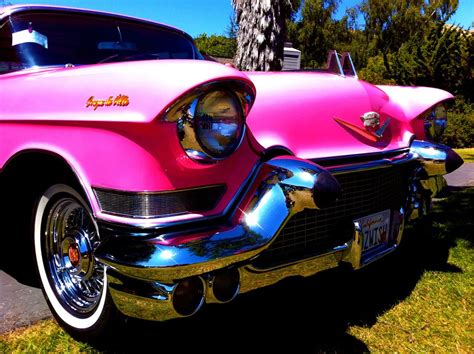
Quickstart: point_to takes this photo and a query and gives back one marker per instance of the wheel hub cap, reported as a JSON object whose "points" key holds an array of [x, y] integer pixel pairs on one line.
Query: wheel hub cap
{"points": [[73, 255], [70, 240]]}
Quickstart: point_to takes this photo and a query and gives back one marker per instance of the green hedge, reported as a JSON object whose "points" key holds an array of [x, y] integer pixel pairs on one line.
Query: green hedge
{"points": [[460, 130]]}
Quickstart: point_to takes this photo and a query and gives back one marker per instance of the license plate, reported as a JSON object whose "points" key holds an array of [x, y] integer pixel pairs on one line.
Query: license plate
{"points": [[375, 229]]}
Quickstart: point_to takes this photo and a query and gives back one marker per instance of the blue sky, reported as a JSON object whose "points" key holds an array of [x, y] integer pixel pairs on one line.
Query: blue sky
{"points": [[198, 16]]}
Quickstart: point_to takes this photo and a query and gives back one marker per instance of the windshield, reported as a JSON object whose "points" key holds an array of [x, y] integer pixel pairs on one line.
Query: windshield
{"points": [[48, 39]]}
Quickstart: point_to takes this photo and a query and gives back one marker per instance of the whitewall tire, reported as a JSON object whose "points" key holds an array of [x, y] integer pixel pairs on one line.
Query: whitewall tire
{"points": [[74, 284]]}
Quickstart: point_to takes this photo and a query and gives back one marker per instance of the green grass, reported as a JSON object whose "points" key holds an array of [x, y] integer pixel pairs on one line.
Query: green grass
{"points": [[437, 316], [419, 299], [43, 337], [467, 154]]}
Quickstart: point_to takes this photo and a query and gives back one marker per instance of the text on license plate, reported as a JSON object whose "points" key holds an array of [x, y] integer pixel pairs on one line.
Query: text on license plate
{"points": [[375, 229]]}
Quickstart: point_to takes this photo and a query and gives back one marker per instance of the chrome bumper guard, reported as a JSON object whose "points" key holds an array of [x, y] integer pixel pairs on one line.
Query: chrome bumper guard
{"points": [[427, 181], [155, 277]]}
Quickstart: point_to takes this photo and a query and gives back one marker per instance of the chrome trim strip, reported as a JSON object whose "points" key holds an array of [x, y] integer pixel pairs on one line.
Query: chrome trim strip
{"points": [[145, 193], [358, 158], [371, 165]]}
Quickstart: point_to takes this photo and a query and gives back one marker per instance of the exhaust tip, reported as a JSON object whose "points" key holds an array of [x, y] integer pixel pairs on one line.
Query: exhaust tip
{"points": [[188, 296], [226, 285]]}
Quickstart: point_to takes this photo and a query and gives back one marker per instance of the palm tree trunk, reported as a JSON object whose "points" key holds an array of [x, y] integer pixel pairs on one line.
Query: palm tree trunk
{"points": [[261, 34]]}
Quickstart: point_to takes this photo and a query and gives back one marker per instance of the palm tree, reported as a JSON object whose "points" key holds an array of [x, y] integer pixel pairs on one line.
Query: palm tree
{"points": [[261, 34]]}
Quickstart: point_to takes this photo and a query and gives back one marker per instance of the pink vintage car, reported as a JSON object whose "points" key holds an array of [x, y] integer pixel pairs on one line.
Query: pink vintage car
{"points": [[151, 181]]}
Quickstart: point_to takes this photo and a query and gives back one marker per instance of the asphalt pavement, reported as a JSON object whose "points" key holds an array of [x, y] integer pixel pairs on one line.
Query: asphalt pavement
{"points": [[22, 302], [462, 177]]}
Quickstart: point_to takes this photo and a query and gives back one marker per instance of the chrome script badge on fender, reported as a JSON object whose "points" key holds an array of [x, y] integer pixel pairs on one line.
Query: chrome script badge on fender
{"points": [[119, 101]]}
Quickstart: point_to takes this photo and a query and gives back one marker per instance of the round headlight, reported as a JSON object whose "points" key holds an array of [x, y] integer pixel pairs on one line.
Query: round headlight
{"points": [[435, 122], [219, 123], [210, 119]]}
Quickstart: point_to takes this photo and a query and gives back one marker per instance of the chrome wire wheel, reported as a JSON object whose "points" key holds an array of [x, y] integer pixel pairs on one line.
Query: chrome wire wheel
{"points": [[69, 243], [74, 283]]}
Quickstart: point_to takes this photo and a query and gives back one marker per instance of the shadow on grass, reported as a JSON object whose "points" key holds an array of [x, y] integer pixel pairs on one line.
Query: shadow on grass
{"points": [[313, 314]]}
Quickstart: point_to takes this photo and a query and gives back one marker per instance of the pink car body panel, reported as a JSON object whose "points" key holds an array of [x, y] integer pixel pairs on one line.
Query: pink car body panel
{"points": [[297, 110]]}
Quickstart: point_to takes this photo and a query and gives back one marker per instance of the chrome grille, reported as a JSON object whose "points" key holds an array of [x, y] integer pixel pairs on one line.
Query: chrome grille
{"points": [[313, 232]]}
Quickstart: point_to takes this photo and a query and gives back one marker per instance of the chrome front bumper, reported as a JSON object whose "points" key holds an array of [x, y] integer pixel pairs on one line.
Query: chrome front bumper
{"points": [[150, 270]]}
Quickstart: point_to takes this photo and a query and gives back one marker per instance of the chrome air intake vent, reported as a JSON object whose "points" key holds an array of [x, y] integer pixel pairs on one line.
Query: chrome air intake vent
{"points": [[159, 204]]}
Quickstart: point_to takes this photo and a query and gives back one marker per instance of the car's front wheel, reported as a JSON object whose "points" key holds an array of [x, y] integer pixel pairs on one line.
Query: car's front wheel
{"points": [[74, 283]]}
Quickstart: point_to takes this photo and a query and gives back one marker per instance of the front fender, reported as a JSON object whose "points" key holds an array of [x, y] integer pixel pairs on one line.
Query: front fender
{"points": [[128, 157]]}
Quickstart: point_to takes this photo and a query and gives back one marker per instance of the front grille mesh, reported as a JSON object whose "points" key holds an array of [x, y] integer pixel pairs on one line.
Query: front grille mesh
{"points": [[149, 204], [313, 232]]}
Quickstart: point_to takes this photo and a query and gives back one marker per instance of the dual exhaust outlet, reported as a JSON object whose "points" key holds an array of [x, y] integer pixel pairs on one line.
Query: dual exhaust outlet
{"points": [[189, 295]]}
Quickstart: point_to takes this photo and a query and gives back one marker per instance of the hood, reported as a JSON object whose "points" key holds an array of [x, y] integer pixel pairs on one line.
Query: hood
{"points": [[307, 112], [142, 89]]}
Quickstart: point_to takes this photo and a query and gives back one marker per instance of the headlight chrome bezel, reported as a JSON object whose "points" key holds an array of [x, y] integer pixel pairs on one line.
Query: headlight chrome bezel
{"points": [[184, 113]]}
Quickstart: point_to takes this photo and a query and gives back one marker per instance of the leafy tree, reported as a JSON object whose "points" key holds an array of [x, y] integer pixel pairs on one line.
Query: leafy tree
{"points": [[262, 32], [441, 58], [216, 46], [317, 31], [389, 24], [376, 72], [460, 131]]}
